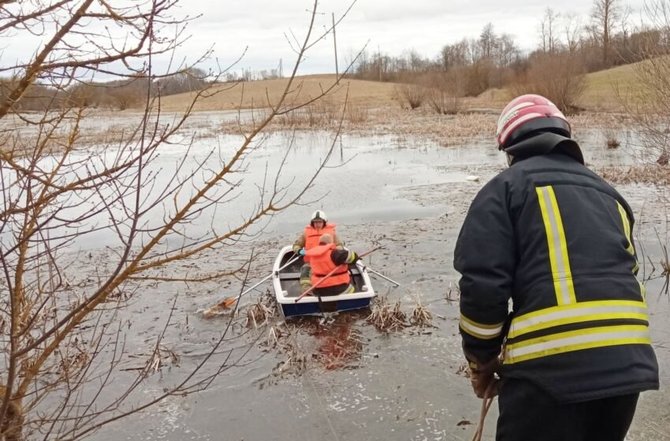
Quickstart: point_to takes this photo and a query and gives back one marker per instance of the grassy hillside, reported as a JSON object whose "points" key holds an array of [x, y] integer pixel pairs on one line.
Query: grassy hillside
{"points": [[255, 94], [604, 89], [602, 93]]}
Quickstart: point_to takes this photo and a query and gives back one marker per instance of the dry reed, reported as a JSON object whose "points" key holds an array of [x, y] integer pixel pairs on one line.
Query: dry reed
{"points": [[259, 313], [646, 174], [421, 317], [385, 317]]}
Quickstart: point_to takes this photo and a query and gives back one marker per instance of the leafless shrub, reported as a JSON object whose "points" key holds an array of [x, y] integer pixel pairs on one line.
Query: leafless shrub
{"points": [[65, 346], [444, 91], [648, 101], [443, 102], [411, 95], [477, 76], [558, 77]]}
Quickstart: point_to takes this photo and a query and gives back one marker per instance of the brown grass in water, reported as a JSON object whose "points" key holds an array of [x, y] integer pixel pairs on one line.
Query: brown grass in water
{"points": [[259, 312], [645, 174], [387, 318], [421, 317]]}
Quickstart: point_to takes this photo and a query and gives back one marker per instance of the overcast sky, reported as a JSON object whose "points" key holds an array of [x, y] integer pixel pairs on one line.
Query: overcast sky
{"points": [[263, 29], [390, 26]]}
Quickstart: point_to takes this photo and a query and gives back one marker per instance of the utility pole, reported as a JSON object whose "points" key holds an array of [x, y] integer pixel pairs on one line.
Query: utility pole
{"points": [[337, 72]]}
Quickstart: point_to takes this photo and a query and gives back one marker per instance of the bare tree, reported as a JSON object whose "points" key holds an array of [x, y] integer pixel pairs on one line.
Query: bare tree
{"points": [[507, 51], [487, 41], [649, 100], [624, 25], [62, 333], [572, 30], [455, 55], [604, 17], [548, 32]]}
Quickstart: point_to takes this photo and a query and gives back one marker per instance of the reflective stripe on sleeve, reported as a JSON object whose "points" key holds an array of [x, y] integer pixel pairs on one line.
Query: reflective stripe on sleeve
{"points": [[626, 227], [558, 247], [478, 330], [578, 313], [575, 341], [627, 232]]}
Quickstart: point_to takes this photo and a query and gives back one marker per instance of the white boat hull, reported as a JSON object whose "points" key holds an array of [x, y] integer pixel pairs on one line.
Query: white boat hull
{"points": [[286, 285]]}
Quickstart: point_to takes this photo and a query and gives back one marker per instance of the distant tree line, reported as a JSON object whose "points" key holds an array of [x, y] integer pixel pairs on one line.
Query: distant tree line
{"points": [[118, 94], [567, 47]]}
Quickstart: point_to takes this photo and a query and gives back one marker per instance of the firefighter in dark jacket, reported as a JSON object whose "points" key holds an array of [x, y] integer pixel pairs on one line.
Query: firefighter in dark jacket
{"points": [[330, 267], [550, 303]]}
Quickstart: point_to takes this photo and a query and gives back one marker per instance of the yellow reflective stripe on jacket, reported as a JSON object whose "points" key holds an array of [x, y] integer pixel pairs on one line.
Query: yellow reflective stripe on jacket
{"points": [[478, 330], [558, 247], [576, 340], [626, 230], [577, 313], [626, 227]]}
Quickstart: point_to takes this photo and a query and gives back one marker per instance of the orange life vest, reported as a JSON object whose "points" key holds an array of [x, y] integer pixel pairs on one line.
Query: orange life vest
{"points": [[322, 265], [312, 236]]}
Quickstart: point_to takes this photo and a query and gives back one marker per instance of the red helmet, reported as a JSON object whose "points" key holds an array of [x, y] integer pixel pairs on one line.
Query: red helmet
{"points": [[526, 114]]}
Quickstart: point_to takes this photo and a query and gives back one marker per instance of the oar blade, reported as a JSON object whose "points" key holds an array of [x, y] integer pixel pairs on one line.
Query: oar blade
{"points": [[220, 308]]}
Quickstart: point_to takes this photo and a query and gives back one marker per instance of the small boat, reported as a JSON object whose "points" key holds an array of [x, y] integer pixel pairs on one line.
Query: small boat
{"points": [[286, 284]]}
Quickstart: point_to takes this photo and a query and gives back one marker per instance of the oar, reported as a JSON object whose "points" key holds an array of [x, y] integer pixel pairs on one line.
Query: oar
{"points": [[382, 276], [330, 274], [229, 301]]}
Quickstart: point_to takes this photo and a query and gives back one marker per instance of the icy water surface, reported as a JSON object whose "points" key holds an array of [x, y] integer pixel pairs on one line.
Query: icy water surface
{"points": [[358, 383]]}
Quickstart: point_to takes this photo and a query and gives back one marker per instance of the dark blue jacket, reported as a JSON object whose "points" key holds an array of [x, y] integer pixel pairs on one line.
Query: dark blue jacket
{"points": [[548, 266]]}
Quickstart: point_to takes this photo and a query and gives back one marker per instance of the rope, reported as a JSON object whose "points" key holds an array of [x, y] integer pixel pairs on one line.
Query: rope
{"points": [[486, 404]]}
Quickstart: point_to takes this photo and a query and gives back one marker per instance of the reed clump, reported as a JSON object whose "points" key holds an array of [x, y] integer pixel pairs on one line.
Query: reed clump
{"points": [[386, 317]]}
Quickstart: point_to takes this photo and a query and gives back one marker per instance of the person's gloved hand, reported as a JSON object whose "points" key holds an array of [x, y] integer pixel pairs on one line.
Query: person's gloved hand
{"points": [[301, 252], [482, 377]]}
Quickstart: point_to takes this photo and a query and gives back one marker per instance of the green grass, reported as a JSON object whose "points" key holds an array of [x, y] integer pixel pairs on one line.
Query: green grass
{"points": [[604, 89]]}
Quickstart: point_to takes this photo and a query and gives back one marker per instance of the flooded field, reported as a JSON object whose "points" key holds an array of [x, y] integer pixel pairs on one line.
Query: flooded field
{"points": [[342, 378]]}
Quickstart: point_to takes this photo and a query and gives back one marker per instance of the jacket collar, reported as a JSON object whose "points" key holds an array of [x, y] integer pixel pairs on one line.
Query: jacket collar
{"points": [[544, 143]]}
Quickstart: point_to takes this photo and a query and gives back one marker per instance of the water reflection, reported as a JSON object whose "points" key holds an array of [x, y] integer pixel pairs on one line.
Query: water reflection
{"points": [[335, 341]]}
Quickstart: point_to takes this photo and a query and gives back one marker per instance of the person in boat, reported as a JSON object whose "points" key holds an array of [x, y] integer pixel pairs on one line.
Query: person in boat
{"points": [[571, 350], [318, 226], [330, 267]]}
